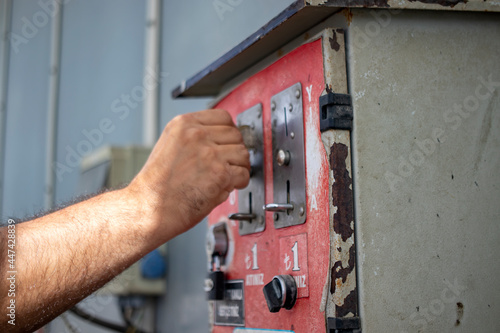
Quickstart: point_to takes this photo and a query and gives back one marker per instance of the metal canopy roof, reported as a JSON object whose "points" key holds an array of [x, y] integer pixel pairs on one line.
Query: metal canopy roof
{"points": [[290, 23]]}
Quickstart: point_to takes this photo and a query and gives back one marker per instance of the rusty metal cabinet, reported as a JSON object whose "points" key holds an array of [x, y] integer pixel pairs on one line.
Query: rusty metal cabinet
{"points": [[375, 152]]}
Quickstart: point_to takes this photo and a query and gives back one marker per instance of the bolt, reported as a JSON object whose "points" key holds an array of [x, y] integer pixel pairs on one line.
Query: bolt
{"points": [[283, 157], [273, 106], [290, 107], [301, 211], [209, 285], [259, 113], [297, 93], [276, 216], [292, 135]]}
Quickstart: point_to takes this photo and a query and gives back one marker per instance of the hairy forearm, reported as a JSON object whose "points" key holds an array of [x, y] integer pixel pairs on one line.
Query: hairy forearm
{"points": [[63, 257]]}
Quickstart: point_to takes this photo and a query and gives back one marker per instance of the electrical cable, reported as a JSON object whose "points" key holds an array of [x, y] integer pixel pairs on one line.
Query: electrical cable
{"points": [[115, 327], [125, 317]]}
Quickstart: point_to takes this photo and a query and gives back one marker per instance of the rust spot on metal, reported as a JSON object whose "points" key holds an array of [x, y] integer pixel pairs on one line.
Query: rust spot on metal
{"points": [[444, 3], [350, 305], [280, 52], [342, 272], [343, 200], [333, 41], [341, 191], [329, 88], [460, 313], [348, 15]]}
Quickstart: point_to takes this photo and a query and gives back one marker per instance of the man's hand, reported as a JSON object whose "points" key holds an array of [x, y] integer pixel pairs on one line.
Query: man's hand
{"points": [[63, 257], [199, 159]]}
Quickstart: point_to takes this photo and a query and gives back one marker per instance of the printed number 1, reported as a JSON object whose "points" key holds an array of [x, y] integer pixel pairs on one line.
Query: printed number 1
{"points": [[255, 265], [295, 250]]}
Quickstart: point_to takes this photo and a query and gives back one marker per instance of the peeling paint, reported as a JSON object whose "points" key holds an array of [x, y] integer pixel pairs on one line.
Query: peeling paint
{"points": [[444, 3], [315, 162], [343, 270], [333, 41], [341, 192], [350, 303]]}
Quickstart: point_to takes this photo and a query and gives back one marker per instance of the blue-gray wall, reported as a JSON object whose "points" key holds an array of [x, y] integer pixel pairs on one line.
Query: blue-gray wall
{"points": [[102, 58]]}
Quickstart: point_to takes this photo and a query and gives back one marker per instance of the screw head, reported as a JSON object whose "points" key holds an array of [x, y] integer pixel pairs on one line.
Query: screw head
{"points": [[290, 107], [297, 93], [273, 106], [283, 157], [292, 135], [276, 216], [301, 211]]}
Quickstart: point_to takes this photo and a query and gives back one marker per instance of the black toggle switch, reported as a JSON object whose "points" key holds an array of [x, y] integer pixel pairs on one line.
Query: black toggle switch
{"points": [[281, 292]]}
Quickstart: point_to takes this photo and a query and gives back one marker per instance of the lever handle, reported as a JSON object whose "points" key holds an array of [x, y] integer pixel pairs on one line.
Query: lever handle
{"points": [[278, 207], [242, 216]]}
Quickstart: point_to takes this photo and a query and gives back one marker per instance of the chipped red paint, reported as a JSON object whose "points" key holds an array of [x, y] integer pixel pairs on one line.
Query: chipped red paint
{"points": [[305, 64]]}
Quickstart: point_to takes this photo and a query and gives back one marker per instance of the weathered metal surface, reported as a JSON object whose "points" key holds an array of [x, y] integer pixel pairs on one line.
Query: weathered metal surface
{"points": [[289, 179], [342, 300], [426, 148], [343, 271], [251, 199], [465, 5], [334, 60]]}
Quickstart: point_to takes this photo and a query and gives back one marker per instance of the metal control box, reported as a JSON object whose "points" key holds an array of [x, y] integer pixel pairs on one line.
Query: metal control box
{"points": [[379, 137]]}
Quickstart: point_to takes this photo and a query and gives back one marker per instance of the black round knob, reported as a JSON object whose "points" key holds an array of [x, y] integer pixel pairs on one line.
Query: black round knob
{"points": [[281, 292]]}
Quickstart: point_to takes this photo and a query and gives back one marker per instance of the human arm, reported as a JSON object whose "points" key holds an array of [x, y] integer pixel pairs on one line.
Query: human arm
{"points": [[63, 257]]}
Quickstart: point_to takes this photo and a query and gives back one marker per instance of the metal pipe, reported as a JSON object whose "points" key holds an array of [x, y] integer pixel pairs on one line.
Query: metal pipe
{"points": [[7, 16], [151, 73], [53, 106]]}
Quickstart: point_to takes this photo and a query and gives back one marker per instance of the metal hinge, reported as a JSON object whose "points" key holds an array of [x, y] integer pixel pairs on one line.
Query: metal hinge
{"points": [[335, 112], [344, 325]]}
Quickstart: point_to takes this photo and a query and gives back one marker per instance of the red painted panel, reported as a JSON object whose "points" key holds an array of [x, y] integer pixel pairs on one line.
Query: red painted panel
{"points": [[258, 257]]}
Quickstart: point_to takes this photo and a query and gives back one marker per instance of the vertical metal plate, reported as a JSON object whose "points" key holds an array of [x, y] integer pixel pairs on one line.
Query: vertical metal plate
{"points": [[252, 198], [289, 181]]}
